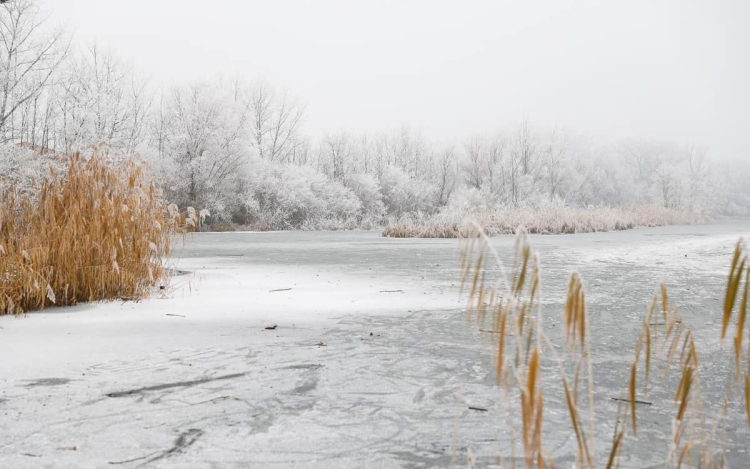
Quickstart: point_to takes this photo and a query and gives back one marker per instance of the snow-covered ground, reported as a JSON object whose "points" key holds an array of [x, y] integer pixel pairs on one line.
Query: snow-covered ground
{"points": [[371, 364]]}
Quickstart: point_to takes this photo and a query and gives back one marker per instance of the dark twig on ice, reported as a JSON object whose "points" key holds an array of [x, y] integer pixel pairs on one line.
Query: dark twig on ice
{"points": [[628, 400], [184, 440], [180, 384], [133, 460], [279, 289]]}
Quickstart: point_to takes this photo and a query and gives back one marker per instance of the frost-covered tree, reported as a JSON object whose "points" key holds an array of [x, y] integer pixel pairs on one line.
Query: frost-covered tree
{"points": [[555, 162], [700, 184], [100, 99], [298, 197], [403, 194], [276, 122], [474, 164], [336, 155], [21, 165], [30, 53], [203, 139], [203, 143], [367, 190], [485, 165], [445, 175]]}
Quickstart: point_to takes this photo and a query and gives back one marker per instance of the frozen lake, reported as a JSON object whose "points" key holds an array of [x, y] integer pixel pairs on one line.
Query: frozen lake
{"points": [[371, 364]]}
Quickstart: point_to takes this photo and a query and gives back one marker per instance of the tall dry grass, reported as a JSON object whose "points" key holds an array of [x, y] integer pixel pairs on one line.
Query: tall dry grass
{"points": [[543, 220], [508, 310], [95, 232]]}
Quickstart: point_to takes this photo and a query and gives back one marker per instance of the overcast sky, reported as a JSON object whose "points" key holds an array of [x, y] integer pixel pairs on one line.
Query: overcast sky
{"points": [[663, 70]]}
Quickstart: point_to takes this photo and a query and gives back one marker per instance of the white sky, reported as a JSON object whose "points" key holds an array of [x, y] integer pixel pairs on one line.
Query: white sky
{"points": [[669, 70]]}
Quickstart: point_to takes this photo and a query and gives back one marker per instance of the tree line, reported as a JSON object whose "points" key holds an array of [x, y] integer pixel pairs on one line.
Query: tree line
{"points": [[240, 149]]}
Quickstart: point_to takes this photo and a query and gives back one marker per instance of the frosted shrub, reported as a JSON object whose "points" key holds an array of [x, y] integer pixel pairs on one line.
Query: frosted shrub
{"points": [[547, 219], [294, 197], [21, 165], [404, 194], [340, 201], [367, 189], [202, 146]]}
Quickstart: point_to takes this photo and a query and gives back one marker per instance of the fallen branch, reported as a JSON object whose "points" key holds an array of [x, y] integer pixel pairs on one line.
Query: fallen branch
{"points": [[180, 384], [132, 460], [279, 289], [664, 324], [628, 400]]}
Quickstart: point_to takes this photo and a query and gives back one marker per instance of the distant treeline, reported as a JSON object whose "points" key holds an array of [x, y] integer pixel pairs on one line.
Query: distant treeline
{"points": [[239, 148]]}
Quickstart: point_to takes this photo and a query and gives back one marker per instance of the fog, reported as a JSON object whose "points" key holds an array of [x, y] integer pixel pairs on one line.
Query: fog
{"points": [[673, 71], [199, 206]]}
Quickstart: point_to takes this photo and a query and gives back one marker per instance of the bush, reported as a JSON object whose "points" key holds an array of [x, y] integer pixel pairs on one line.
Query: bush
{"points": [[21, 165], [367, 189], [403, 194], [549, 219], [295, 197], [94, 233]]}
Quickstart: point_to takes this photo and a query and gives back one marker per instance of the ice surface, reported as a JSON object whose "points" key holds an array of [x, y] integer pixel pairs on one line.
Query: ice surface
{"points": [[370, 365]]}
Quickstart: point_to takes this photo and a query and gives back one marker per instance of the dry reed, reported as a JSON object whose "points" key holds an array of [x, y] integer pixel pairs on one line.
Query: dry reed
{"points": [[93, 233], [740, 268], [511, 305], [544, 220]]}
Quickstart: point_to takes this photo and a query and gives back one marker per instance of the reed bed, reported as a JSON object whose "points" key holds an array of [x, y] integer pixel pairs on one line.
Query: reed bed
{"points": [[543, 220], [94, 232], [508, 310]]}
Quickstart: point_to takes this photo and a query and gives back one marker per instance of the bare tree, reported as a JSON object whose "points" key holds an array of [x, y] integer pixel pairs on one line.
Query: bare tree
{"points": [[285, 126], [699, 186], [527, 148], [473, 165], [301, 153], [29, 56], [33, 121], [277, 121], [408, 150], [337, 150], [108, 94], [483, 164], [141, 101], [100, 99], [261, 102], [668, 187], [515, 165], [643, 158], [159, 127], [363, 154], [381, 157], [446, 175], [202, 131], [495, 179], [553, 160]]}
